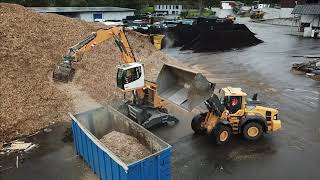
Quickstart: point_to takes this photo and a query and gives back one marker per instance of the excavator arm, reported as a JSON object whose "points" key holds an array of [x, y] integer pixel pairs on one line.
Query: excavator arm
{"points": [[102, 35], [99, 37], [64, 71]]}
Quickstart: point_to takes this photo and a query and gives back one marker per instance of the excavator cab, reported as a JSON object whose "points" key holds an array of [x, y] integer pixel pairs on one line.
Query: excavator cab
{"points": [[130, 76]]}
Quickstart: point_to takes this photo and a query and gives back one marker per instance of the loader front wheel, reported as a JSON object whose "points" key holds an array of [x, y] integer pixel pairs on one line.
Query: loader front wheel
{"points": [[252, 131], [221, 134], [196, 124]]}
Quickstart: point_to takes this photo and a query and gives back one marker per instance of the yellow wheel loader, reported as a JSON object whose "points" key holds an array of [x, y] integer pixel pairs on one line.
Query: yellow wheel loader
{"points": [[229, 113], [258, 14]]}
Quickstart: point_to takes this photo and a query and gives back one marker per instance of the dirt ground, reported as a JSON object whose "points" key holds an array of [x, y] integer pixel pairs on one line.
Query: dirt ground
{"points": [[32, 44]]}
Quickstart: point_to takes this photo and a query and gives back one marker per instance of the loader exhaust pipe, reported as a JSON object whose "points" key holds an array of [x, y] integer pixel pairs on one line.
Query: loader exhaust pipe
{"points": [[183, 87]]}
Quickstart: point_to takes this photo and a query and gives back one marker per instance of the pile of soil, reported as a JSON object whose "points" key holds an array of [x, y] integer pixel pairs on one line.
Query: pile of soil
{"points": [[126, 147], [31, 45], [210, 37]]}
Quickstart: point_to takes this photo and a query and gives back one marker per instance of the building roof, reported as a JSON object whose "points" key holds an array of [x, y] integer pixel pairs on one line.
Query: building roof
{"points": [[307, 9], [79, 9]]}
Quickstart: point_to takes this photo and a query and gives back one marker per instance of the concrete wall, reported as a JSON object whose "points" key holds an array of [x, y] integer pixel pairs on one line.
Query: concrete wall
{"points": [[286, 13], [222, 13], [272, 13], [88, 16], [280, 22], [168, 9]]}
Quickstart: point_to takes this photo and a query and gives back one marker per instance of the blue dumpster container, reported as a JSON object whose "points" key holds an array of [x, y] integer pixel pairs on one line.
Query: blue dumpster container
{"points": [[88, 127]]}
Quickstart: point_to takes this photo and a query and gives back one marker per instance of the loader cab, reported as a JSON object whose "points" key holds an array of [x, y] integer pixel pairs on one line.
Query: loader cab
{"points": [[233, 99], [130, 76]]}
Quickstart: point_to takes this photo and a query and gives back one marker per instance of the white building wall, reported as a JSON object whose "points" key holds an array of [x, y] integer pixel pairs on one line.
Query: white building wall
{"points": [[312, 19], [88, 16], [171, 9]]}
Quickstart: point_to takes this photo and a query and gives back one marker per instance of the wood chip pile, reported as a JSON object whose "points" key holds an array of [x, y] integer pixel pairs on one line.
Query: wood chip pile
{"points": [[126, 147], [31, 45]]}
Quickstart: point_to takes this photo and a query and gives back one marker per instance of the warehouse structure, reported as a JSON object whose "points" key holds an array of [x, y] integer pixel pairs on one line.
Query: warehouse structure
{"points": [[309, 19], [90, 14]]}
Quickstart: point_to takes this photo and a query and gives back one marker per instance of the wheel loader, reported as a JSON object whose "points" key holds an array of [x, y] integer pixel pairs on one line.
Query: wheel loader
{"points": [[229, 113], [257, 14]]}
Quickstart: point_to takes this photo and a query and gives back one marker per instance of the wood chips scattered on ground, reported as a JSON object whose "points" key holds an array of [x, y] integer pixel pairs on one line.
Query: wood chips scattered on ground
{"points": [[126, 147]]}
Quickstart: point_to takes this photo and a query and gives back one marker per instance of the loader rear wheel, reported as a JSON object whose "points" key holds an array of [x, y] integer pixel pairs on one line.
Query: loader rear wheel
{"points": [[252, 131], [196, 124], [221, 134]]}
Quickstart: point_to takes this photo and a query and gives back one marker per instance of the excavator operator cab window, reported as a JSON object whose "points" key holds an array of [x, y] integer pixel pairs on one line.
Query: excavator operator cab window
{"points": [[132, 75], [127, 76], [232, 103]]}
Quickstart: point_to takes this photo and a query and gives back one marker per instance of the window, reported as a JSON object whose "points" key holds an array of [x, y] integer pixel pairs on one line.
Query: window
{"points": [[177, 7], [166, 6], [97, 17], [132, 75], [120, 76], [128, 76], [169, 6], [159, 7], [268, 115], [232, 103]]}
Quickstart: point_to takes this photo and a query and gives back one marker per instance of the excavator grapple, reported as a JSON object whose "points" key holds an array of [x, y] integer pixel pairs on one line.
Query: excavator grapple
{"points": [[64, 71]]}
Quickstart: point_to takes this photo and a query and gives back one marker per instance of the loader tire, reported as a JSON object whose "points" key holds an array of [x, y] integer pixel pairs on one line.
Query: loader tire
{"points": [[252, 131], [196, 124], [221, 134]]}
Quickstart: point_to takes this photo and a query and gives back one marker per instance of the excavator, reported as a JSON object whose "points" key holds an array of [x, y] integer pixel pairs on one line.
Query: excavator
{"points": [[146, 108], [229, 113]]}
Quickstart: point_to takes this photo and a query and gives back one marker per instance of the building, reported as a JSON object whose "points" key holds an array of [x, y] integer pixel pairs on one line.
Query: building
{"points": [[168, 9], [227, 5], [89, 14], [287, 7], [308, 16]]}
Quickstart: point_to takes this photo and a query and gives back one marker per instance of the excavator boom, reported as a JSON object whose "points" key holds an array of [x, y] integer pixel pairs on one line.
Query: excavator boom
{"points": [[64, 71]]}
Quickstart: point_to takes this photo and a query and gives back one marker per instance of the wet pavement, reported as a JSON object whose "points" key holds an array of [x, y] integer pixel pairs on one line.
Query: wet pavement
{"points": [[291, 153]]}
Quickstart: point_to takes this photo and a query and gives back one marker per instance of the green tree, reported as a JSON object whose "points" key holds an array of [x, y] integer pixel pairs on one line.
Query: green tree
{"points": [[61, 3], [78, 3]]}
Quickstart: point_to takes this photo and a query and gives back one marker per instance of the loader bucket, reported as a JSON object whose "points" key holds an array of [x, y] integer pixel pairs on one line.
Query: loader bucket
{"points": [[183, 87]]}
